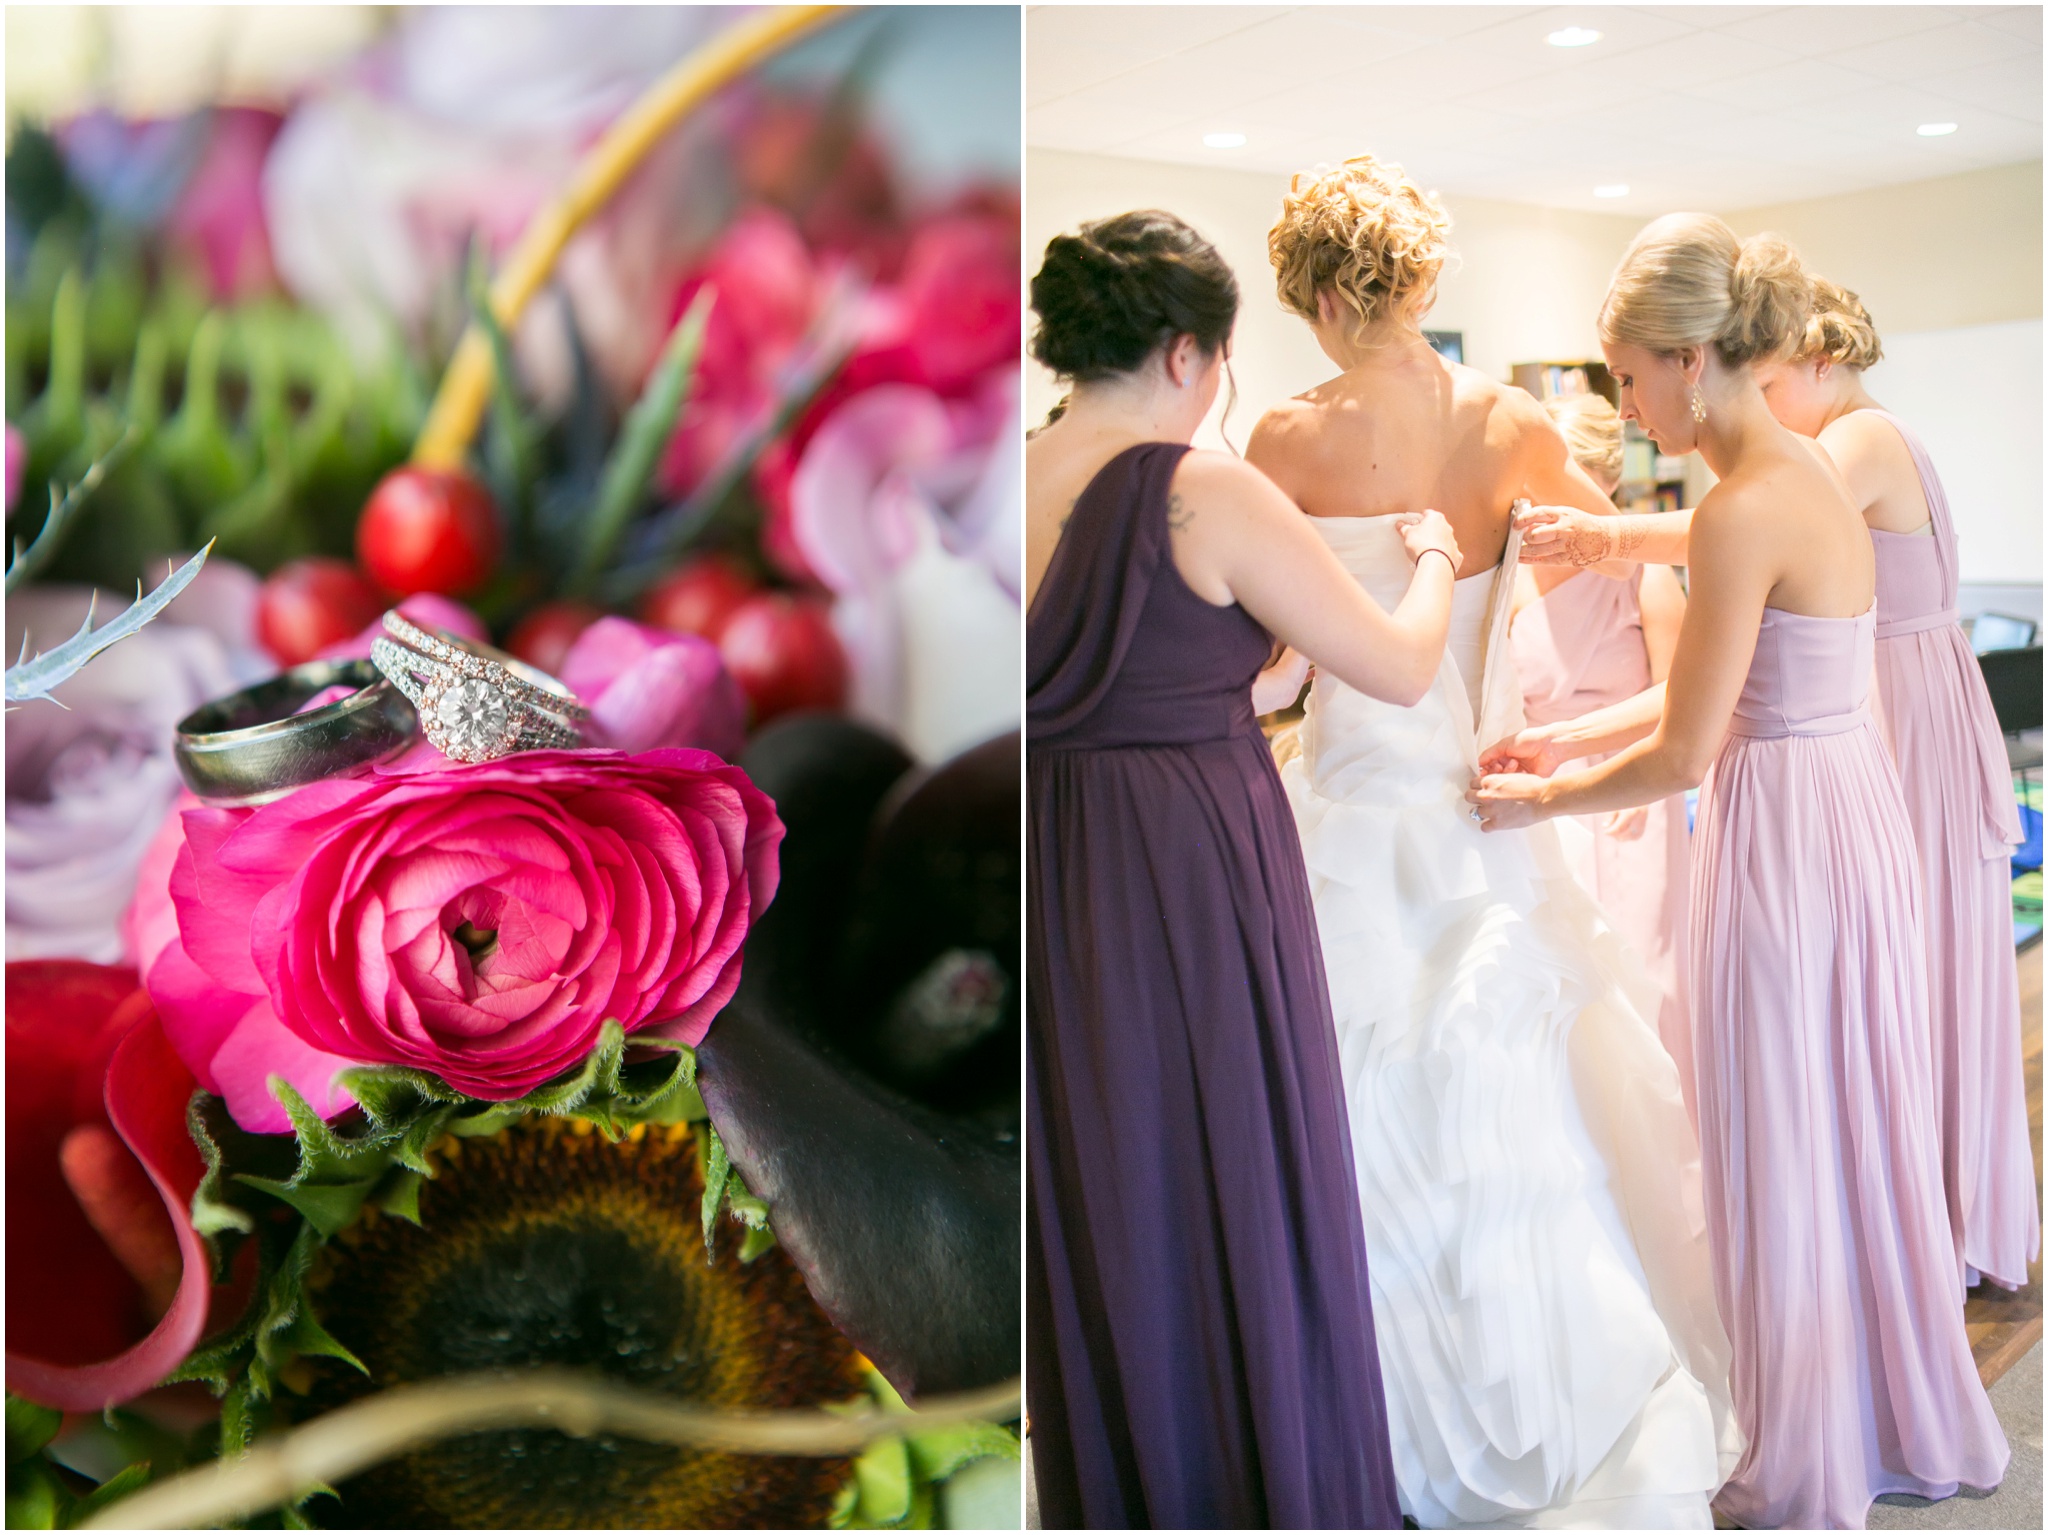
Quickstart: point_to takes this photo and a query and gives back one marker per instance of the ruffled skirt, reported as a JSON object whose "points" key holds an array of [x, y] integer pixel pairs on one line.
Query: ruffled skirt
{"points": [[1527, 1169]]}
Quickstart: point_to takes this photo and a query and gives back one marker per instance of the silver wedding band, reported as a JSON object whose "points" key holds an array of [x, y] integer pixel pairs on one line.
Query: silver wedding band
{"points": [[475, 703], [254, 745]]}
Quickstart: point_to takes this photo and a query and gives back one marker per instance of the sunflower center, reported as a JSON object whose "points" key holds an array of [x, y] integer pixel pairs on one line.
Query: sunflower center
{"points": [[543, 1247]]}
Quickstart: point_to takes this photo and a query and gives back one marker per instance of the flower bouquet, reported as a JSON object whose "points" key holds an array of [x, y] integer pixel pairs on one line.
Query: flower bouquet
{"points": [[610, 1134]]}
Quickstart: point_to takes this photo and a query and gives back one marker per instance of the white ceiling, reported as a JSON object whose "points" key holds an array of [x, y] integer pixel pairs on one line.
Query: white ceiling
{"points": [[1701, 106]]}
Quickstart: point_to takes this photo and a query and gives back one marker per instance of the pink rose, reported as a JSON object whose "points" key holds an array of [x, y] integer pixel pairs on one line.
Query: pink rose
{"points": [[480, 923], [648, 688]]}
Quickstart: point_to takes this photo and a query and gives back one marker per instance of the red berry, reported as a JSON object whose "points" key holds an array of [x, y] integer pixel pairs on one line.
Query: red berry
{"points": [[699, 597], [544, 636], [781, 650], [312, 603], [428, 530]]}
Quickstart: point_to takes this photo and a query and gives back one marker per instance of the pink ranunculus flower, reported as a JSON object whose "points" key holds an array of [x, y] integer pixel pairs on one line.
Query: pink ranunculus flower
{"points": [[480, 923], [648, 688]]}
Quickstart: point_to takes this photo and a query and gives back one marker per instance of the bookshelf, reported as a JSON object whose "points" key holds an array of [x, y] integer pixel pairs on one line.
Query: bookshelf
{"points": [[1650, 481]]}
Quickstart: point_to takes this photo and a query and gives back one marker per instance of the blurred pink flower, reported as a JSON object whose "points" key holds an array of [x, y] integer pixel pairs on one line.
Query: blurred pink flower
{"points": [[477, 922], [89, 784], [649, 688], [906, 505], [219, 211], [17, 460], [768, 293]]}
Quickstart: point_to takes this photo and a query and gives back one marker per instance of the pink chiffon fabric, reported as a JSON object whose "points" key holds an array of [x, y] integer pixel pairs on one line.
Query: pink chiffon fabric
{"points": [[1833, 1258], [1577, 648], [1937, 719]]}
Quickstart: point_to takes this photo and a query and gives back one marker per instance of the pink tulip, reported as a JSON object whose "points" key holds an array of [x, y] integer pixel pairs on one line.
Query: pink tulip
{"points": [[649, 688]]}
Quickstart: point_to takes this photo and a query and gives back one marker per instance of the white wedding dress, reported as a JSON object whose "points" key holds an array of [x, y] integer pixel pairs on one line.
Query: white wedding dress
{"points": [[1548, 1336]]}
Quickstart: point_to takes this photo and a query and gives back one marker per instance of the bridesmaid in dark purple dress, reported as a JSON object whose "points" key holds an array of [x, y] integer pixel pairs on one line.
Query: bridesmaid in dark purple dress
{"points": [[1201, 1348]]}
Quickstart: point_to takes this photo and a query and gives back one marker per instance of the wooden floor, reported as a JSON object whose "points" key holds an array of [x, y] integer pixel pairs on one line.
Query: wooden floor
{"points": [[2004, 1324]]}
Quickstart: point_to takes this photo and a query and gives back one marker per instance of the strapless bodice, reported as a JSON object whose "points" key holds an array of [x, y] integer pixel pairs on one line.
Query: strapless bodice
{"points": [[1475, 681], [1809, 677]]}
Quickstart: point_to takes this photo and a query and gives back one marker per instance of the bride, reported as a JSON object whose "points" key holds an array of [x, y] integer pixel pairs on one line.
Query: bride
{"points": [[1531, 1183]]}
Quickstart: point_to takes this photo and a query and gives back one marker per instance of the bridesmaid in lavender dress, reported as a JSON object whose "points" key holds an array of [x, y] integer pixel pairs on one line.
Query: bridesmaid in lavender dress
{"points": [[1583, 641], [1936, 716], [1833, 1257], [1201, 1334]]}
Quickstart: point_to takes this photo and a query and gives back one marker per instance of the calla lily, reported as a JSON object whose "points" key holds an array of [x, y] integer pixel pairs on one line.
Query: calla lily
{"points": [[100, 1176], [888, 1158]]}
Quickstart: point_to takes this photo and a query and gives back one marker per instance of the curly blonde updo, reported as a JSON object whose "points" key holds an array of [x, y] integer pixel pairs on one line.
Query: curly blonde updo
{"points": [[1839, 329], [1592, 433], [1687, 281], [1363, 232]]}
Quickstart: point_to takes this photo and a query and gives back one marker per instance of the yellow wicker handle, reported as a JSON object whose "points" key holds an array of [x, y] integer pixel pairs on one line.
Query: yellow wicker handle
{"points": [[466, 386]]}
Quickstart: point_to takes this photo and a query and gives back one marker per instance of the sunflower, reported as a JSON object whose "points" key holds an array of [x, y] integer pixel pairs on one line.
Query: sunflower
{"points": [[546, 1244]]}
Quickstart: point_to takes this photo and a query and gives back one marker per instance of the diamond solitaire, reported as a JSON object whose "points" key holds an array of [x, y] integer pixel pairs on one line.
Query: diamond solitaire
{"points": [[475, 704]]}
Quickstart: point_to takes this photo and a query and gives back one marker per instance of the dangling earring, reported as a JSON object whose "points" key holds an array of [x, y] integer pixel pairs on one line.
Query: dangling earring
{"points": [[1699, 406]]}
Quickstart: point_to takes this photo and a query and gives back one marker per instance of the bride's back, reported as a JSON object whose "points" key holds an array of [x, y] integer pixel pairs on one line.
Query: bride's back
{"points": [[1402, 433]]}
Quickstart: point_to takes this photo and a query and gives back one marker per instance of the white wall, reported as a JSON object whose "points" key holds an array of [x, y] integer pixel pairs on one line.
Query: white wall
{"points": [[1526, 285], [1973, 394], [1529, 281]]}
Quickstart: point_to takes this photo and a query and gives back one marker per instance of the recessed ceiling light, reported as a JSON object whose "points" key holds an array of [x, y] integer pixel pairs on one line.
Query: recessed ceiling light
{"points": [[1612, 189], [1224, 140], [1936, 130], [1572, 37]]}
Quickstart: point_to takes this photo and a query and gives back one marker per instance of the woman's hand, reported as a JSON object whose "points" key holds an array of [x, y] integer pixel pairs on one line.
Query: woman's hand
{"points": [[1505, 801], [1564, 535], [1528, 751], [1429, 530], [1626, 825]]}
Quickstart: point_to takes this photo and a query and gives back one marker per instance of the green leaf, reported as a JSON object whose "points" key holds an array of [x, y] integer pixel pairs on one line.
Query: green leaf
{"points": [[329, 1206], [717, 1164], [395, 1096], [512, 435], [642, 439], [399, 1195], [744, 1207], [36, 1500], [213, 1212], [30, 1426], [937, 1453], [116, 1487], [288, 1327], [27, 564], [237, 1419], [882, 1472], [324, 1157], [755, 1243]]}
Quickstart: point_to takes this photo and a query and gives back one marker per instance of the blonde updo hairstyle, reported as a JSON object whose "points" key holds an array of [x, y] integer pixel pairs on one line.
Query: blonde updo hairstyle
{"points": [[1687, 281], [1364, 233], [1592, 433], [1839, 329]]}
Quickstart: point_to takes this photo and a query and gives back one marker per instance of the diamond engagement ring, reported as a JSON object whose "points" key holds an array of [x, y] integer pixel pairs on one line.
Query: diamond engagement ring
{"points": [[475, 704]]}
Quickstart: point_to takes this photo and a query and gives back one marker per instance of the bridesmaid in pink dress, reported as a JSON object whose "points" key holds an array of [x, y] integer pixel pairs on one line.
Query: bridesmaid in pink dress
{"points": [[1582, 641], [1936, 717], [1834, 1265]]}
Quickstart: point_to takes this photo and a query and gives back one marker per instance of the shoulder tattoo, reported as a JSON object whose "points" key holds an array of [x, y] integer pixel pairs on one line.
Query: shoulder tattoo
{"points": [[1178, 513]]}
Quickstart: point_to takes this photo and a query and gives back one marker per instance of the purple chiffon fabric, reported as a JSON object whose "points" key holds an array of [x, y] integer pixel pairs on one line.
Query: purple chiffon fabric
{"points": [[1201, 1346], [1936, 716], [1834, 1262]]}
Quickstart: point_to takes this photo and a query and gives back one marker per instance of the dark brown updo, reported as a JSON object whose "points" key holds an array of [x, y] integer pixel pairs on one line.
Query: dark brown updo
{"points": [[1110, 296]]}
